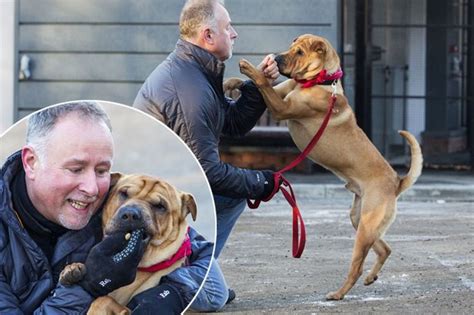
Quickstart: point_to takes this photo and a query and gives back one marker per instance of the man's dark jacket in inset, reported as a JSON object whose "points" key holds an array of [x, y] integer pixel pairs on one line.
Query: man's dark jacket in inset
{"points": [[27, 280]]}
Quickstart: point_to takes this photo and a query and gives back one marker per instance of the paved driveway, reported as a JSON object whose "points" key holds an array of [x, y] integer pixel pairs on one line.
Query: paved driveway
{"points": [[431, 269]]}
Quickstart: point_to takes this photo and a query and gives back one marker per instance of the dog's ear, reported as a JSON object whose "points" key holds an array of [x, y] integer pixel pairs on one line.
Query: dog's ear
{"points": [[331, 60], [114, 178], [188, 205], [327, 53], [319, 47]]}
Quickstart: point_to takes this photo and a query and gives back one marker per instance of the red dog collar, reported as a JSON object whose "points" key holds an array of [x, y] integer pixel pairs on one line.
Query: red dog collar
{"points": [[322, 78], [183, 251]]}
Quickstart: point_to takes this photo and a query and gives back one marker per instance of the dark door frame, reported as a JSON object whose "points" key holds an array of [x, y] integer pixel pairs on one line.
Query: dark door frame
{"points": [[470, 82], [363, 71], [363, 66]]}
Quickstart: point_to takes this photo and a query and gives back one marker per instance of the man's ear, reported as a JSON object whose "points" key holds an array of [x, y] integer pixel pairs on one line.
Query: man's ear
{"points": [[29, 159], [207, 36], [189, 206]]}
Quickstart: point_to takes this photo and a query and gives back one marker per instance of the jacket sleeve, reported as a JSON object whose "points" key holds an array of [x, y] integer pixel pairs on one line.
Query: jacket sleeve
{"points": [[243, 114], [66, 300], [203, 139], [32, 297], [194, 116], [63, 300], [188, 279], [8, 302]]}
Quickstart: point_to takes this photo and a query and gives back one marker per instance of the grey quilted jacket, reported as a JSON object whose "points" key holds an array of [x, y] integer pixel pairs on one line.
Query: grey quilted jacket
{"points": [[185, 91]]}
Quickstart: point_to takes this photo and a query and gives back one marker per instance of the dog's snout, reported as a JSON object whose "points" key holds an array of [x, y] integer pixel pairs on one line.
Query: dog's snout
{"points": [[279, 59], [130, 214]]}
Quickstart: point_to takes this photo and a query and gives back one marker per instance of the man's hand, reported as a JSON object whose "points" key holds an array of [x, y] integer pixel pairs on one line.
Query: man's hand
{"points": [[269, 184], [269, 68], [162, 299], [112, 263]]}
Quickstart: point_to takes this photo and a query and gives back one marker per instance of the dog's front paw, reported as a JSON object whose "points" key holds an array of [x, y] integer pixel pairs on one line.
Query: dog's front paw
{"points": [[246, 68], [334, 296], [232, 84], [232, 87], [253, 73], [72, 274]]}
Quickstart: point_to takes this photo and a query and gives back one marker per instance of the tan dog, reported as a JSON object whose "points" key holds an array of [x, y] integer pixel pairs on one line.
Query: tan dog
{"points": [[162, 210], [344, 148]]}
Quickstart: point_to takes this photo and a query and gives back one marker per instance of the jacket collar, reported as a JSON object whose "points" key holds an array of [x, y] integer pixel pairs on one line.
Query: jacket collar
{"points": [[11, 166], [208, 62], [9, 169]]}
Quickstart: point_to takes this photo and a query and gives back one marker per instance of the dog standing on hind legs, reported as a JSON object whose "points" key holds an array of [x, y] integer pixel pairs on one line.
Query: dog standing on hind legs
{"points": [[312, 65]]}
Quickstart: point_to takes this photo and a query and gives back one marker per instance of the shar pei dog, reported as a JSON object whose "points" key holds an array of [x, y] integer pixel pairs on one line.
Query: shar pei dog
{"points": [[141, 208], [313, 68]]}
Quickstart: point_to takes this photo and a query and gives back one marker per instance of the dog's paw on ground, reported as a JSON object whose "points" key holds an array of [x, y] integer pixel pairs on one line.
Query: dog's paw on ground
{"points": [[334, 296]]}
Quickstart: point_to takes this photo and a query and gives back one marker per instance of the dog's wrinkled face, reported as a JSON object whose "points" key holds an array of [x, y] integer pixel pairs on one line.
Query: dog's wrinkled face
{"points": [[144, 202], [307, 56]]}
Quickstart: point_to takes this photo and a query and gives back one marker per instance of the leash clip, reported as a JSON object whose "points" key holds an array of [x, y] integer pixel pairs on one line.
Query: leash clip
{"points": [[334, 88]]}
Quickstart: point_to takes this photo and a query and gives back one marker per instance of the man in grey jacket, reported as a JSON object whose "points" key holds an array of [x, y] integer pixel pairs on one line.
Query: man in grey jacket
{"points": [[186, 92]]}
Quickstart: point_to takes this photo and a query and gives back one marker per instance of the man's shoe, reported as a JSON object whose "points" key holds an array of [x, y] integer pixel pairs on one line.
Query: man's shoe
{"points": [[231, 296]]}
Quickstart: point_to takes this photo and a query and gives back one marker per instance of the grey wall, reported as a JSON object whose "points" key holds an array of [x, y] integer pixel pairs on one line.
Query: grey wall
{"points": [[105, 49]]}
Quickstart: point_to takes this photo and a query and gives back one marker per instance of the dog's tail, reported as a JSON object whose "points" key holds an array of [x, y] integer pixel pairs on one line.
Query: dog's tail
{"points": [[416, 163]]}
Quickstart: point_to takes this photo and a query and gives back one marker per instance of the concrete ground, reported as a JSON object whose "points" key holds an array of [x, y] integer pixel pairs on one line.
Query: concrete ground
{"points": [[431, 269]]}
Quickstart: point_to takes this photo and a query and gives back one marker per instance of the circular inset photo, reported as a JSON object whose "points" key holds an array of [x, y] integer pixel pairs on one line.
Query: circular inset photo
{"points": [[102, 206]]}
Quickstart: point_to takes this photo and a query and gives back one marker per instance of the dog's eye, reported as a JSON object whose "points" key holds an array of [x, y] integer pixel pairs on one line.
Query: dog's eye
{"points": [[299, 52], [123, 194], [159, 207]]}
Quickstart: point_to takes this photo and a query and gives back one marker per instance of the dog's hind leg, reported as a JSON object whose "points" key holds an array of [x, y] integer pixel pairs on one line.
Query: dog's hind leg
{"points": [[382, 250], [372, 222], [355, 212], [380, 247], [364, 240]]}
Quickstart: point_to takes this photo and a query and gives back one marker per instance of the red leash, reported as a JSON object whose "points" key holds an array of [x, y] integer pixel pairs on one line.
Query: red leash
{"points": [[299, 241]]}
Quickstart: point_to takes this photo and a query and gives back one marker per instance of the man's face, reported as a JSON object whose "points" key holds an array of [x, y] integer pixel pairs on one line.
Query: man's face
{"points": [[69, 183], [224, 35]]}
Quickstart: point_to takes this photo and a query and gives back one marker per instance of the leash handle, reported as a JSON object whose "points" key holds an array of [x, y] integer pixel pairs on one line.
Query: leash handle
{"points": [[299, 230]]}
